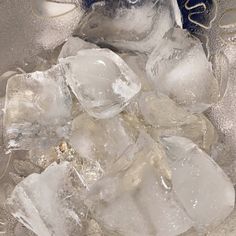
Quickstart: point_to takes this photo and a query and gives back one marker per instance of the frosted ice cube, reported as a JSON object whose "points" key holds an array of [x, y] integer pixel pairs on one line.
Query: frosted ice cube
{"points": [[134, 198], [49, 203], [135, 28], [73, 45], [201, 186], [36, 104], [101, 80], [178, 67], [102, 140]]}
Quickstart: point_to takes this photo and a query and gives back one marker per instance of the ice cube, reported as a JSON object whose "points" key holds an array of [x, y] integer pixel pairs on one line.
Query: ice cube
{"points": [[101, 80], [73, 45], [160, 111], [200, 185], [161, 116], [3, 81], [137, 62], [136, 28], [178, 67], [102, 140], [14, 167], [198, 129], [49, 203], [36, 104], [167, 118], [134, 198]]}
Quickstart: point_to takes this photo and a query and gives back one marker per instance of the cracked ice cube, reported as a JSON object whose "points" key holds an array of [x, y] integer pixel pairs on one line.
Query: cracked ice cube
{"points": [[203, 189], [49, 203], [102, 82], [178, 67], [36, 104]]}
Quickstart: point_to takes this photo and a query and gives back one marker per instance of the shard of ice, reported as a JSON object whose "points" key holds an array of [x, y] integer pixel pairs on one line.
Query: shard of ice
{"points": [[178, 67], [135, 198], [136, 28], [36, 104], [49, 203], [202, 188], [102, 82]]}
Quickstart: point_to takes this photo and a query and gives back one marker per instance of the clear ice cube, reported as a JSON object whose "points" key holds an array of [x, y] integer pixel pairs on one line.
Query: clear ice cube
{"points": [[160, 111], [135, 198], [101, 140], [167, 118], [36, 104], [102, 82], [198, 129], [73, 45], [49, 203], [137, 62], [178, 67], [136, 28], [200, 185]]}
